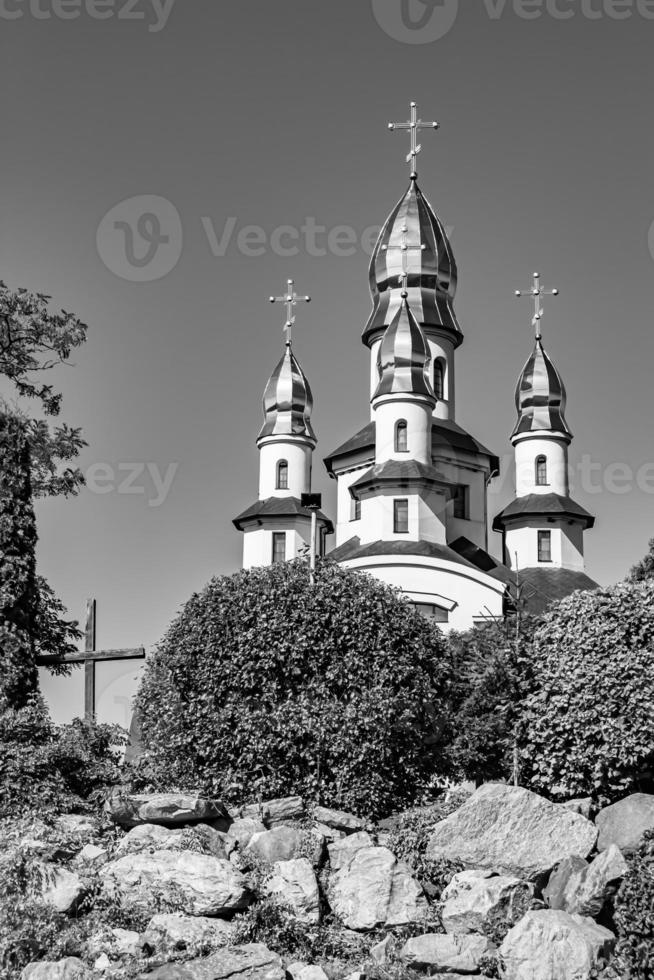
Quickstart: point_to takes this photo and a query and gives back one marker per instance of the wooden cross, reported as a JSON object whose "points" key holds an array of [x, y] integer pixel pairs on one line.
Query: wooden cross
{"points": [[414, 125], [291, 299], [404, 247], [89, 657], [537, 292]]}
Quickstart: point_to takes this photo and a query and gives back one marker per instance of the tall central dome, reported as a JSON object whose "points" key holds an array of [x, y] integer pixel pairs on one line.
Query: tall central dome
{"points": [[413, 233]]}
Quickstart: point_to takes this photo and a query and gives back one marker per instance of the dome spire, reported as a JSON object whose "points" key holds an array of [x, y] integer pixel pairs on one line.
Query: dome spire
{"points": [[537, 292], [404, 355], [414, 125], [290, 299]]}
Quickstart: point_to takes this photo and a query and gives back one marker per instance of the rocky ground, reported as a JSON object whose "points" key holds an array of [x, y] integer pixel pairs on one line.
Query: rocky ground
{"points": [[524, 893]]}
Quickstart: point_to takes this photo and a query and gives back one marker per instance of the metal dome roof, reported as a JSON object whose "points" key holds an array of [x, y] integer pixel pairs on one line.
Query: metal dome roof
{"points": [[287, 401], [403, 356], [540, 397]]}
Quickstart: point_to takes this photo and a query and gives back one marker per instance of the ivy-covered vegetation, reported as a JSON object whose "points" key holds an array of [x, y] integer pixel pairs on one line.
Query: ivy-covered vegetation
{"points": [[267, 685], [634, 954], [588, 729]]}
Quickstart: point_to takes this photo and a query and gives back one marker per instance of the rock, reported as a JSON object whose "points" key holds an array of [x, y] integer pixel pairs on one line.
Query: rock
{"points": [[512, 831], [174, 931], [375, 889], [243, 829], [450, 954], [198, 884], [284, 844], [474, 899], [381, 952], [582, 806], [339, 820], [329, 833], [568, 869], [553, 945], [70, 968], [92, 856], [154, 837], [251, 962], [274, 812], [294, 883], [587, 887], [125, 942], [169, 809], [78, 824], [342, 852], [302, 971], [62, 889], [102, 963], [624, 823]]}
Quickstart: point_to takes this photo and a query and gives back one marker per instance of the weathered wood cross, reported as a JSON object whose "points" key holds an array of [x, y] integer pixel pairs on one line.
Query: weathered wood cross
{"points": [[89, 657]]}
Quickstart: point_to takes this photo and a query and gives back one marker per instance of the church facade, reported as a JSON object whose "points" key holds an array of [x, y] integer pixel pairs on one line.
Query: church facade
{"points": [[412, 484]]}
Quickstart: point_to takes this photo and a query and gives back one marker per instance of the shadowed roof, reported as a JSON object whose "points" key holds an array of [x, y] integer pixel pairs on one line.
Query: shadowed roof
{"points": [[542, 505], [543, 586], [279, 507], [399, 471], [354, 549]]}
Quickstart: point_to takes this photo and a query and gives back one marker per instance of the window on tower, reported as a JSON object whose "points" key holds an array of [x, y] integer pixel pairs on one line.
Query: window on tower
{"points": [[460, 506], [278, 546], [282, 475], [439, 379], [401, 437], [401, 516], [544, 546], [541, 471]]}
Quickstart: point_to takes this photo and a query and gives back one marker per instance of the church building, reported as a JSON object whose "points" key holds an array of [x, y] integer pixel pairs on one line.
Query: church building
{"points": [[412, 484]]}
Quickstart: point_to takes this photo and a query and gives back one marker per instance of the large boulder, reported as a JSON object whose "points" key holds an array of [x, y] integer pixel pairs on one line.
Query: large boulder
{"points": [[169, 809], [284, 844], [375, 889], [512, 831], [571, 868], [341, 852], [587, 888], [274, 812], [449, 954], [624, 823], [155, 837], [197, 884], [476, 899], [553, 945], [243, 829], [294, 883], [339, 820], [69, 968], [250, 962], [62, 889], [173, 932]]}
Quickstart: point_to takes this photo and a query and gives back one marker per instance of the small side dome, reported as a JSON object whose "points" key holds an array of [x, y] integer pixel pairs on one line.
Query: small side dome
{"points": [[432, 272], [540, 397], [287, 401], [404, 357]]}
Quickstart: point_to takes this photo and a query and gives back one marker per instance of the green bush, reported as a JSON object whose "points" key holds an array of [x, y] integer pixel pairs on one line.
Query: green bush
{"points": [[634, 954], [589, 728], [266, 685]]}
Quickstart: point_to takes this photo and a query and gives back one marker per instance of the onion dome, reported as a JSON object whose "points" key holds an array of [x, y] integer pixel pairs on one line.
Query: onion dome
{"points": [[287, 401], [404, 356], [540, 397], [429, 263]]}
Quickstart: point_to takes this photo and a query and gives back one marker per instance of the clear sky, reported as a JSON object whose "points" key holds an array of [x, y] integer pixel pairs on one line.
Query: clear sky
{"points": [[273, 113]]}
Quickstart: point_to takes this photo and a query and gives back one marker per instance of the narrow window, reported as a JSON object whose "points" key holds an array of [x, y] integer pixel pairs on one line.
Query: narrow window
{"points": [[355, 514], [401, 516], [282, 475], [460, 509], [541, 471], [544, 546], [439, 379], [401, 439], [435, 613], [278, 546]]}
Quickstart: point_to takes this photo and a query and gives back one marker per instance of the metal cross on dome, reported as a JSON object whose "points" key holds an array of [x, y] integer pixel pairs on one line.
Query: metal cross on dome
{"points": [[291, 299], [404, 247], [414, 125], [537, 292]]}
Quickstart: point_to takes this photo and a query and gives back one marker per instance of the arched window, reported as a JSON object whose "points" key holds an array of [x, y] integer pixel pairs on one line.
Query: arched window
{"points": [[439, 379], [282, 475], [401, 438], [541, 471]]}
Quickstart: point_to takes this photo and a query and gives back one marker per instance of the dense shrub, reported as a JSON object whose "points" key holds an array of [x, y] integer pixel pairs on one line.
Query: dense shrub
{"points": [[634, 954], [266, 685], [589, 728]]}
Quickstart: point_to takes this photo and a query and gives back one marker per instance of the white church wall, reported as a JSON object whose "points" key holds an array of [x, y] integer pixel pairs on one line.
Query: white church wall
{"points": [[556, 453], [347, 528], [298, 457], [442, 349], [258, 543], [417, 416]]}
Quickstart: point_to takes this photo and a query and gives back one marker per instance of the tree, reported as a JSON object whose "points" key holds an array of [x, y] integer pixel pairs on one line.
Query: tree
{"points": [[588, 730], [266, 685], [645, 568], [34, 340]]}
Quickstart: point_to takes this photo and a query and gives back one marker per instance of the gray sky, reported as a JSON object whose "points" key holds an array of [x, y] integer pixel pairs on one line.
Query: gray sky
{"points": [[246, 112]]}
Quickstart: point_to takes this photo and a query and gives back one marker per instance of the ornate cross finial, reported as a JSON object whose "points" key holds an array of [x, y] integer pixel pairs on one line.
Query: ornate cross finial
{"points": [[537, 292], [414, 125], [291, 299], [404, 247]]}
